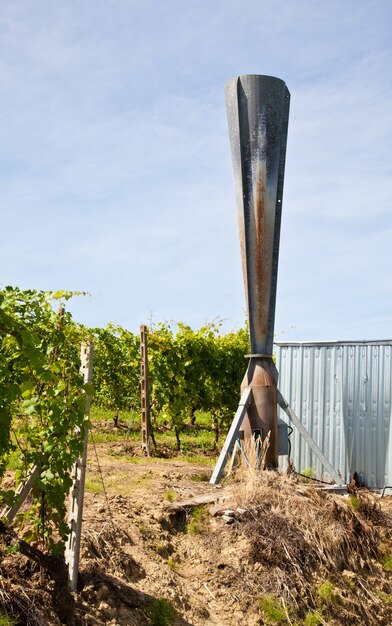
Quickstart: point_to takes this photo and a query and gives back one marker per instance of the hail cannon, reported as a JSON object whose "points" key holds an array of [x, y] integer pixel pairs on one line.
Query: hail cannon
{"points": [[258, 111]]}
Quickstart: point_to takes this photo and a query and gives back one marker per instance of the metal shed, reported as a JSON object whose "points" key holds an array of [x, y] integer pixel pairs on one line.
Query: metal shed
{"points": [[341, 391]]}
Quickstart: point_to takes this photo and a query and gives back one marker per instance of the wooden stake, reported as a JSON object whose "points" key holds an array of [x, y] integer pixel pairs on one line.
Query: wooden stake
{"points": [[72, 551], [232, 435], [144, 390], [21, 494]]}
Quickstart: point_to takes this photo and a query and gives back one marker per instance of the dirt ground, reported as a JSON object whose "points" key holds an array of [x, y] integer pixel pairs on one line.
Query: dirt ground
{"points": [[277, 552], [204, 565], [131, 528]]}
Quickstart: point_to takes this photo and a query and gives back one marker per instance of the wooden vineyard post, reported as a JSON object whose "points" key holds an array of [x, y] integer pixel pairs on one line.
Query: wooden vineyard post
{"points": [[72, 551], [21, 494], [144, 391]]}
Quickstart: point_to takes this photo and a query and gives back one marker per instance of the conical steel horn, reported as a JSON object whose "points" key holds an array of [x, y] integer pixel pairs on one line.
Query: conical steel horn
{"points": [[258, 110]]}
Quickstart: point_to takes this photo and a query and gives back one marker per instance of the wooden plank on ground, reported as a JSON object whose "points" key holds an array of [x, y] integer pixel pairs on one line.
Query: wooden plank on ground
{"points": [[207, 498]]}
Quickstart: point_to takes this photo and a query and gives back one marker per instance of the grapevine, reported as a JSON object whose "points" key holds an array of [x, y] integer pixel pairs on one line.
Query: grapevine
{"points": [[42, 405]]}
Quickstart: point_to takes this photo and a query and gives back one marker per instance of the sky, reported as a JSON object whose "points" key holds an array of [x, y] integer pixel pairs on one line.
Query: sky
{"points": [[115, 165]]}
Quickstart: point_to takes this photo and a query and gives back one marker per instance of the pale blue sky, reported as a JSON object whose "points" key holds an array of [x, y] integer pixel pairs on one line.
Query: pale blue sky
{"points": [[115, 170]]}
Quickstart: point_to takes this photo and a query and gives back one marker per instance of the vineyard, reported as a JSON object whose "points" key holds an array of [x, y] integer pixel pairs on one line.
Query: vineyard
{"points": [[43, 398], [43, 395], [145, 558], [190, 370]]}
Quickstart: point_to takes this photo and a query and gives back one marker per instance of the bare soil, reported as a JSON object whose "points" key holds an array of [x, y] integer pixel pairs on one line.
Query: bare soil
{"points": [[316, 557]]}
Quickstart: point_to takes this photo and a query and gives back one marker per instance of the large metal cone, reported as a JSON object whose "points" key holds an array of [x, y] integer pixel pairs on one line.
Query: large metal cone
{"points": [[257, 110]]}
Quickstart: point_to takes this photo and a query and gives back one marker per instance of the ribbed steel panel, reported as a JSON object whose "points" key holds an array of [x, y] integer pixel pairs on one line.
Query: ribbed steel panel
{"points": [[341, 391]]}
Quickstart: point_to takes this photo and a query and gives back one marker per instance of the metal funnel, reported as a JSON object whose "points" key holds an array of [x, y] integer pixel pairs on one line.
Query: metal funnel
{"points": [[258, 110]]}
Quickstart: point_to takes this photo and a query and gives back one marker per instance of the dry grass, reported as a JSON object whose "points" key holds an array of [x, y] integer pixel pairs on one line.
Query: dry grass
{"points": [[303, 536]]}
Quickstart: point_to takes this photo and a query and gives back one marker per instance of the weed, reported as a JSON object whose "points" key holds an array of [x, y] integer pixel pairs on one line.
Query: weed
{"points": [[162, 548], [161, 612], [172, 563], [6, 620], [107, 437], [94, 485], [143, 530], [326, 591], [198, 459], [308, 472], [386, 562], [313, 618], [169, 495], [273, 612], [197, 521], [384, 597], [354, 502]]}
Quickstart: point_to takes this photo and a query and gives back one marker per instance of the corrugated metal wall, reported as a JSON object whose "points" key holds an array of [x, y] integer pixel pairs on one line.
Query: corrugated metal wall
{"points": [[341, 391]]}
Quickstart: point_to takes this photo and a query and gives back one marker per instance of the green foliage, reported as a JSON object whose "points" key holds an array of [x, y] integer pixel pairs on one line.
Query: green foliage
{"points": [[272, 611], [190, 371], [196, 522], [386, 562], [384, 597], [169, 495], [326, 591], [193, 373], [11, 549], [42, 404], [172, 563], [308, 472], [313, 618], [6, 620], [116, 367], [161, 612], [93, 484], [354, 502]]}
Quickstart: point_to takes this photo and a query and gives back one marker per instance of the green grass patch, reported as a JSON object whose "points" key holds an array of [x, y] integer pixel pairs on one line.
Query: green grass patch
{"points": [[93, 484], [162, 613], [169, 495], [313, 618], [386, 562], [354, 502], [145, 532], [98, 413], [307, 473], [197, 521], [172, 563], [326, 591], [102, 437], [198, 459], [7, 620], [160, 547], [384, 597], [203, 419], [271, 610], [194, 439]]}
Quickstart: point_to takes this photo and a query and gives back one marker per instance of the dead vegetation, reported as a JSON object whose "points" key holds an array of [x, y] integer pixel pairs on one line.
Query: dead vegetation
{"points": [[286, 553], [307, 539]]}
